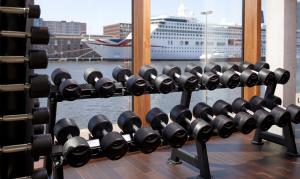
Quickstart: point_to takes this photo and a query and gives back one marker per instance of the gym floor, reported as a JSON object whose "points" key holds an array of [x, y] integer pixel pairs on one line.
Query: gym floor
{"points": [[234, 157]]}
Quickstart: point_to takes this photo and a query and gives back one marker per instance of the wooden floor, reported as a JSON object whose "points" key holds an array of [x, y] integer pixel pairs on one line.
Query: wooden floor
{"points": [[232, 158]]}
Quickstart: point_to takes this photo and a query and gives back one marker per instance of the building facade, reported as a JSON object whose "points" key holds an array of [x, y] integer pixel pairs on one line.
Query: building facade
{"points": [[119, 30]]}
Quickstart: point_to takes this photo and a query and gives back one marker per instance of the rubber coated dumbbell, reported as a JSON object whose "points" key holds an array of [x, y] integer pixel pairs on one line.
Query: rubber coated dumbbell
{"points": [[68, 88], [105, 87], [41, 145], [222, 125], [208, 79], [162, 83], [199, 129], [40, 173], [265, 76], [294, 110], [282, 76], [134, 84], [113, 145], [37, 59], [37, 35], [247, 77], [263, 118], [145, 138], [76, 150], [38, 116], [244, 122], [39, 87], [187, 81], [228, 78], [32, 11], [281, 117], [172, 133]]}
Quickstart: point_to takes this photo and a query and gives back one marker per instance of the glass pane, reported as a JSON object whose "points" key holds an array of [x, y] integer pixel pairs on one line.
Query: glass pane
{"points": [[195, 31], [298, 54], [84, 37]]}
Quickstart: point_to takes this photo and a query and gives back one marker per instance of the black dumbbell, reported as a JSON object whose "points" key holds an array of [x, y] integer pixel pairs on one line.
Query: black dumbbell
{"points": [[76, 150], [112, 143], [264, 119], [282, 76], [40, 173], [244, 122], [134, 84], [187, 81], [41, 145], [208, 79], [38, 116], [68, 88], [247, 77], [32, 11], [37, 35], [39, 87], [199, 129], [39, 129], [228, 78], [162, 83], [105, 87], [265, 76], [223, 126], [281, 117], [145, 138], [37, 59], [294, 110], [172, 133]]}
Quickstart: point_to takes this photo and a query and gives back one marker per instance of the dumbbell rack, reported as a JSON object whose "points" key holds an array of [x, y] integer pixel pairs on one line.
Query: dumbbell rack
{"points": [[200, 160], [16, 128], [288, 137]]}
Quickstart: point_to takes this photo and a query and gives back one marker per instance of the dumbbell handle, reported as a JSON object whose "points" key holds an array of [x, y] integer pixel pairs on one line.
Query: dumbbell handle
{"points": [[153, 77], [237, 72], [199, 75], [14, 87], [14, 10], [16, 148], [126, 77], [15, 34], [231, 114], [135, 128], [265, 108], [104, 132], [187, 121], [218, 73], [96, 79], [20, 117], [164, 125], [13, 59], [249, 112], [177, 75], [210, 117]]}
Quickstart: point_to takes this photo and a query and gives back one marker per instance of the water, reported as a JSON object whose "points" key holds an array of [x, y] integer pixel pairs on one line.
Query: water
{"points": [[82, 110]]}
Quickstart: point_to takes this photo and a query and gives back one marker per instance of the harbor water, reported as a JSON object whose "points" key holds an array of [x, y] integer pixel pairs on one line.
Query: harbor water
{"points": [[82, 110]]}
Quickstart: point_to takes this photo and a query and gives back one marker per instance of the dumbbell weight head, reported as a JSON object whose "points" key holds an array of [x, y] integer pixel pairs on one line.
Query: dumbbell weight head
{"points": [[264, 119], [120, 73], [76, 150], [146, 71], [38, 59], [188, 81], [126, 121], [91, 74], [58, 74], [171, 70], [41, 145], [34, 11], [294, 110], [212, 67], [40, 173], [243, 121], [40, 86], [221, 123], [230, 79], [114, 146], [39, 129], [39, 35], [173, 133], [260, 65], [266, 77], [41, 116], [193, 68], [281, 116], [199, 129], [282, 76]]}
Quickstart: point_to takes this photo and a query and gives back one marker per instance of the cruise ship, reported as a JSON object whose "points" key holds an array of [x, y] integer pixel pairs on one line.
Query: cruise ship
{"points": [[179, 38]]}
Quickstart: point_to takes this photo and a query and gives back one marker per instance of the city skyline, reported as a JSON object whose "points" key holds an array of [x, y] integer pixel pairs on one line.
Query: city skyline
{"points": [[89, 11]]}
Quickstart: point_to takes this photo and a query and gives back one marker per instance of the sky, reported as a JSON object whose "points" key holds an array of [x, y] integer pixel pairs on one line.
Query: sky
{"points": [[97, 13]]}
